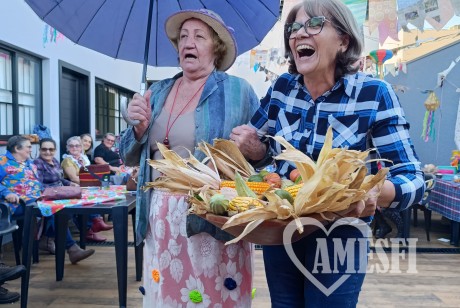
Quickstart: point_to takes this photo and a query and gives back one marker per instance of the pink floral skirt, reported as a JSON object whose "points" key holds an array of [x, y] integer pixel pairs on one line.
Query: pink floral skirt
{"points": [[199, 271]]}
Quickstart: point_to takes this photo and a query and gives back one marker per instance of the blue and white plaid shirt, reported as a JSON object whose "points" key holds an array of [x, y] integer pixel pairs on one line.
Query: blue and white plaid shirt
{"points": [[364, 112]]}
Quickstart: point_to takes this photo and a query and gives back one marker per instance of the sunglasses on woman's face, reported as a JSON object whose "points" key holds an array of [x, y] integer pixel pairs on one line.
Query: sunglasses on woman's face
{"points": [[313, 26], [47, 149]]}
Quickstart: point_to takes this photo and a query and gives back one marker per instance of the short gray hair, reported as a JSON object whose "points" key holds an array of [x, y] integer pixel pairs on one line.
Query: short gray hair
{"points": [[73, 138], [16, 142]]}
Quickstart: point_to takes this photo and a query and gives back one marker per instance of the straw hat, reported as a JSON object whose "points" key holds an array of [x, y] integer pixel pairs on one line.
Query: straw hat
{"points": [[175, 21]]}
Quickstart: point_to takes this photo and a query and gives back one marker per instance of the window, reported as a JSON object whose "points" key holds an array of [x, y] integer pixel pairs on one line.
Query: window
{"points": [[20, 93], [108, 114]]}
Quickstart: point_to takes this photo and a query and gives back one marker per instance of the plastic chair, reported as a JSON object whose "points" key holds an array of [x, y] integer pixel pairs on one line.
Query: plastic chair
{"points": [[10, 224], [430, 183], [7, 226]]}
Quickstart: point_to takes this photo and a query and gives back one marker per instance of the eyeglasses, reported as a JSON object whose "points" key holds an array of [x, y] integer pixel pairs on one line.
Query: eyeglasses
{"points": [[313, 26], [47, 149], [110, 140], [74, 145]]}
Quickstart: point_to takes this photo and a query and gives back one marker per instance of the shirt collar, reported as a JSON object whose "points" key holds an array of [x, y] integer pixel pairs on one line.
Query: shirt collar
{"points": [[349, 82], [9, 155]]}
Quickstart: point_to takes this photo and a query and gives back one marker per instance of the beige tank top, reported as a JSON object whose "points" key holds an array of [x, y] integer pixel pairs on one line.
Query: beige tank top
{"points": [[181, 135]]}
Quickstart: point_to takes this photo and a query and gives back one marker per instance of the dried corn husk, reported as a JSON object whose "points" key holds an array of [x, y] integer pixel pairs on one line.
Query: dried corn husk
{"points": [[337, 180], [182, 174], [227, 158]]}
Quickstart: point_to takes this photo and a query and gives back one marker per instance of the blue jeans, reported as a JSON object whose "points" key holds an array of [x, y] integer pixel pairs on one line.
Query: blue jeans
{"points": [[290, 288], [49, 227], [69, 242]]}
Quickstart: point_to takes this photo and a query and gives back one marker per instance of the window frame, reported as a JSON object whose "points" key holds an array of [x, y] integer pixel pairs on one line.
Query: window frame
{"points": [[16, 104], [108, 110]]}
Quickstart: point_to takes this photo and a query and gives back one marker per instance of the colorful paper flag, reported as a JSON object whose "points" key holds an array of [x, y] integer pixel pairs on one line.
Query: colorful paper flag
{"points": [[383, 15]]}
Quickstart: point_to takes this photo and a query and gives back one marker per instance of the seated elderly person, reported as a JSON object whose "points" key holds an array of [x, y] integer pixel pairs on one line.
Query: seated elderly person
{"points": [[16, 180], [103, 153], [19, 179], [71, 164], [50, 174]]}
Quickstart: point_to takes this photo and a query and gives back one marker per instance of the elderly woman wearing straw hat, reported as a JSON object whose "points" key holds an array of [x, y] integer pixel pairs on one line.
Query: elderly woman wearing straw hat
{"points": [[185, 260]]}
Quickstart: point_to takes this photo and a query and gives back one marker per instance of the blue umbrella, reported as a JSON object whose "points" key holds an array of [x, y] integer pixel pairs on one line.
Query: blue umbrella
{"points": [[133, 30]]}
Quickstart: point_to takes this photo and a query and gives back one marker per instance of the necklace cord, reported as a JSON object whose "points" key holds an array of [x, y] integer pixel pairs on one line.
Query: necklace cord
{"points": [[168, 127]]}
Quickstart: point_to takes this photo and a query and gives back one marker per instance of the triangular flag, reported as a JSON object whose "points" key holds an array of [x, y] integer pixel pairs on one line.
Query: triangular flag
{"points": [[358, 8], [456, 6], [411, 13], [383, 15], [438, 13]]}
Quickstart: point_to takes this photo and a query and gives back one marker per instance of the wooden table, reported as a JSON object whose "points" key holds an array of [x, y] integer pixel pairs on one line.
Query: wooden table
{"points": [[119, 210], [445, 200]]}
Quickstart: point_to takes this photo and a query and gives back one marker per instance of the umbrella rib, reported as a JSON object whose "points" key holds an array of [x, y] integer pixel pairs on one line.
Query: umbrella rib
{"points": [[52, 9], [124, 28], [156, 37], [246, 23], [92, 18]]}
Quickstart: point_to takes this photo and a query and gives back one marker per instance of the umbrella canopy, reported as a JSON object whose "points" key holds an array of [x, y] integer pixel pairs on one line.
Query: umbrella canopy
{"points": [[121, 28], [133, 30]]}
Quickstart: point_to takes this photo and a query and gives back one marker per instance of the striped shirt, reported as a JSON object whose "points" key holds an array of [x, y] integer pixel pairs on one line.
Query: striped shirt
{"points": [[364, 113]]}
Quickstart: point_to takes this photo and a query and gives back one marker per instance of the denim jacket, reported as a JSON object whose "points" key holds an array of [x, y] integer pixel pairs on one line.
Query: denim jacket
{"points": [[226, 102]]}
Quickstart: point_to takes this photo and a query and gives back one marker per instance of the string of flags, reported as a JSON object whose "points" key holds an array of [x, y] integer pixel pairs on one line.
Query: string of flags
{"points": [[389, 16]]}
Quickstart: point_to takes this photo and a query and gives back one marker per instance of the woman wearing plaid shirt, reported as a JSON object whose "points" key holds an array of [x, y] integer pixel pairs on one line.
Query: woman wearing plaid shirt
{"points": [[323, 89]]}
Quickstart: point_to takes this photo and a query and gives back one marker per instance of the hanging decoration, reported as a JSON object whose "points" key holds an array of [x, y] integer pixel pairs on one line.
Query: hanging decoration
{"points": [[380, 56], [51, 35], [384, 17], [431, 105]]}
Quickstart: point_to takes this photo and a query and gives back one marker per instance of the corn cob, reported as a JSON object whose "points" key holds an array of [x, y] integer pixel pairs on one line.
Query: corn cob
{"points": [[293, 190], [241, 204], [257, 187]]}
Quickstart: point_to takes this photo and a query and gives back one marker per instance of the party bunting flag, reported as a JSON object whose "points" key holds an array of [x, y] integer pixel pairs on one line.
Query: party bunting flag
{"points": [[411, 11], [456, 6], [438, 13], [359, 9], [383, 15]]}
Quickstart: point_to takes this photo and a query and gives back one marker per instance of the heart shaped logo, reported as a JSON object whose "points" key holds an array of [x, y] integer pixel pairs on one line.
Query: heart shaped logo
{"points": [[291, 228]]}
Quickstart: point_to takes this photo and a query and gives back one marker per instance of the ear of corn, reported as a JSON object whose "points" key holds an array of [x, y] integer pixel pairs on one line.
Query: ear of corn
{"points": [[257, 187], [293, 190], [241, 204]]}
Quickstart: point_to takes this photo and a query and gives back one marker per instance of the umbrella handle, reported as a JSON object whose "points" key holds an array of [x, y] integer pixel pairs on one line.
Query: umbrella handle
{"points": [[124, 113]]}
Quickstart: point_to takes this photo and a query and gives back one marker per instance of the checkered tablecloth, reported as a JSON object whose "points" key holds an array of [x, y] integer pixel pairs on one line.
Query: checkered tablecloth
{"points": [[445, 199]]}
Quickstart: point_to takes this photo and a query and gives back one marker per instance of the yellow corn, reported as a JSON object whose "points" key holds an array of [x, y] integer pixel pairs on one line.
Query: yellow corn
{"points": [[257, 187], [293, 190], [242, 204]]}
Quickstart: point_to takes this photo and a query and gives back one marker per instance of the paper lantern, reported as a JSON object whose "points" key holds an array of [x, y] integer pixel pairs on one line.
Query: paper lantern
{"points": [[380, 56]]}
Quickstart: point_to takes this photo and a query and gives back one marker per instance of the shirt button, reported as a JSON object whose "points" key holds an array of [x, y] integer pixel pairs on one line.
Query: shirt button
{"points": [[196, 126], [197, 109]]}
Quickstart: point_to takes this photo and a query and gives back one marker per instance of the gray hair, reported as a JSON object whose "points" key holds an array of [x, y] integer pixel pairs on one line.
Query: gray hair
{"points": [[345, 24], [73, 138], [16, 142], [109, 134]]}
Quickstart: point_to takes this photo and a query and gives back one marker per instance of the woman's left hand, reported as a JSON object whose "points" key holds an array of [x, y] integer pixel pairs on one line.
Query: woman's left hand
{"points": [[363, 208], [247, 140], [370, 205]]}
